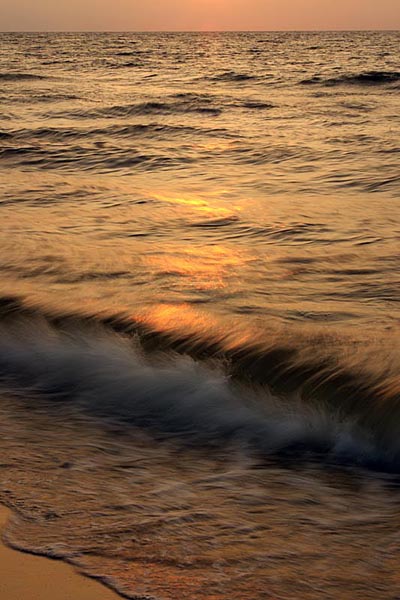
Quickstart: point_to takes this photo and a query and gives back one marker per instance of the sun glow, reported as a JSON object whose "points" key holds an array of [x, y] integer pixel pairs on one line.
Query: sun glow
{"points": [[192, 15]]}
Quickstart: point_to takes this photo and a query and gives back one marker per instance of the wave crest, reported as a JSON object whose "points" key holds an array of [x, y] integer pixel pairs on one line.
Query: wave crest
{"points": [[271, 399]]}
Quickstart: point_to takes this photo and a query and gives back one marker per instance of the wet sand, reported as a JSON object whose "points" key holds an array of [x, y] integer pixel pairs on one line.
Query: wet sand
{"points": [[28, 577]]}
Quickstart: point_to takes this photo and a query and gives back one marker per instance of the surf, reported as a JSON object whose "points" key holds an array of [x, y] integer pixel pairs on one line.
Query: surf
{"points": [[271, 399]]}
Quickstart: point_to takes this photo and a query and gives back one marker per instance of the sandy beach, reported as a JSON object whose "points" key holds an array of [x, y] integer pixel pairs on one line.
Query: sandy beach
{"points": [[28, 577]]}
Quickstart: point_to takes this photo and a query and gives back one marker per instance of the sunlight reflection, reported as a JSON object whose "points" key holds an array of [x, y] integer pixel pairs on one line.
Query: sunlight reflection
{"points": [[165, 317], [197, 203], [207, 269]]}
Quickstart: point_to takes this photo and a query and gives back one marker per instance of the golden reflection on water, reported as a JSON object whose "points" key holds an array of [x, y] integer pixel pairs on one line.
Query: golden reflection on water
{"points": [[164, 317], [205, 269], [112, 245], [217, 145], [183, 320], [258, 224], [209, 206]]}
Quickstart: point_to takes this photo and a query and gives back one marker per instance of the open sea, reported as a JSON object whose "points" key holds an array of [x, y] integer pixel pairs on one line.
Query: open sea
{"points": [[200, 310]]}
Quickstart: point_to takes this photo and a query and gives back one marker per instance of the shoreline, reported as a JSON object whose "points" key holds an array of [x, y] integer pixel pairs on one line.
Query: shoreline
{"points": [[34, 577]]}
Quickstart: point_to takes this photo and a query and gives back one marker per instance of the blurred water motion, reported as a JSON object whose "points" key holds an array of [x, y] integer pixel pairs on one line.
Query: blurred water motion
{"points": [[199, 310]]}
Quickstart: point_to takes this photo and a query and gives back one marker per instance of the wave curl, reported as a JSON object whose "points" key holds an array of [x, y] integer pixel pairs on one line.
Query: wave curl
{"points": [[271, 398]]}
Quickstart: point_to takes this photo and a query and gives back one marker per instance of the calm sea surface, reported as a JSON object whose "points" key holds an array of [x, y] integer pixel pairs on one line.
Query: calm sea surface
{"points": [[200, 310]]}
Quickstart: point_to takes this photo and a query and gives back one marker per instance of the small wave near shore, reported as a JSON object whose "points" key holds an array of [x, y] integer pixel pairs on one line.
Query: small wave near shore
{"points": [[269, 397]]}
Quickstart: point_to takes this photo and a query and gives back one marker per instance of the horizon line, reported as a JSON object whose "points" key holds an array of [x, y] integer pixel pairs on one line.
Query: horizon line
{"points": [[397, 30]]}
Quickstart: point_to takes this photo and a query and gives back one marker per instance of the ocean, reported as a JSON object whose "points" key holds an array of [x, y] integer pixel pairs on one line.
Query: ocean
{"points": [[200, 310]]}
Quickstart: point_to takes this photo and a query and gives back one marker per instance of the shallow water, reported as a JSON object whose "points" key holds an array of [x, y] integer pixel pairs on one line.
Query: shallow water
{"points": [[199, 310]]}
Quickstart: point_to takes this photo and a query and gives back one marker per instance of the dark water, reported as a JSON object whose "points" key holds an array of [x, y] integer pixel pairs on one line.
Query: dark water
{"points": [[199, 310]]}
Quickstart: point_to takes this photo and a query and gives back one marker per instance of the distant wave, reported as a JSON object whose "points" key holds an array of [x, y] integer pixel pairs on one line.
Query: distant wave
{"points": [[257, 105], [183, 105], [364, 78], [152, 130], [116, 157], [232, 76], [136, 52], [223, 102], [270, 397], [130, 65], [20, 77], [55, 97]]}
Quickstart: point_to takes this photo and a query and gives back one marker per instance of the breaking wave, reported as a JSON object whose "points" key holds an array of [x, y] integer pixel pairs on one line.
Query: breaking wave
{"points": [[269, 397]]}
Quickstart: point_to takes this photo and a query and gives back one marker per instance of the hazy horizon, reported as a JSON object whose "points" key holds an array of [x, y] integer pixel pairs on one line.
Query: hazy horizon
{"points": [[198, 30], [196, 15]]}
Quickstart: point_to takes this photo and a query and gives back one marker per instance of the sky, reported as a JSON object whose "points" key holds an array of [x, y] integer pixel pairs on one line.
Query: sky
{"points": [[190, 15]]}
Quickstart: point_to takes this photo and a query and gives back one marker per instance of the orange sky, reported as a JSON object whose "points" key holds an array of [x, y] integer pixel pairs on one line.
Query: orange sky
{"points": [[125, 15]]}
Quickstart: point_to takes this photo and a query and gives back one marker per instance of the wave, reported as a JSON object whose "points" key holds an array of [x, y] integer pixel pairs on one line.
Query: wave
{"points": [[215, 223], [90, 158], [152, 130], [232, 76], [363, 78], [174, 106], [54, 97], [136, 52], [257, 105], [129, 65], [275, 397], [20, 77]]}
